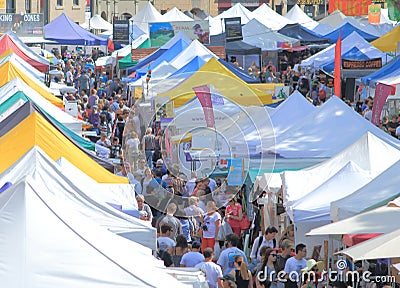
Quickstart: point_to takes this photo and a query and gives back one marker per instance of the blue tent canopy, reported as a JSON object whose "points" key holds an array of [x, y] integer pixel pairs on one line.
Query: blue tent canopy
{"points": [[239, 72], [347, 29], [167, 56], [64, 31], [195, 64], [353, 54], [305, 35], [391, 69]]}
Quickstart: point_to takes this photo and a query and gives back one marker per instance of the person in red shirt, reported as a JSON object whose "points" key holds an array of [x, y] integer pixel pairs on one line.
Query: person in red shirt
{"points": [[234, 215]]}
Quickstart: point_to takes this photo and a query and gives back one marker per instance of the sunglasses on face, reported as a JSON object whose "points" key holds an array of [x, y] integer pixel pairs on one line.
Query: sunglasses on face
{"points": [[273, 255]]}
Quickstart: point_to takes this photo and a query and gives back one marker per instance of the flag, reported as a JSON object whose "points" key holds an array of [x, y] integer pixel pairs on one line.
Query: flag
{"points": [[338, 56], [204, 95], [110, 45], [382, 91]]}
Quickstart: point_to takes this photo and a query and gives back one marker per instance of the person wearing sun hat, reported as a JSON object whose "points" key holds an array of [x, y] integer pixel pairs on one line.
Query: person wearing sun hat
{"points": [[311, 273]]}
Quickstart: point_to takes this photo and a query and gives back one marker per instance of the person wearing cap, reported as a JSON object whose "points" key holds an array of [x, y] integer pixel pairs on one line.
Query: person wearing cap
{"points": [[160, 167], [213, 271], [194, 257], [226, 258], [228, 281]]}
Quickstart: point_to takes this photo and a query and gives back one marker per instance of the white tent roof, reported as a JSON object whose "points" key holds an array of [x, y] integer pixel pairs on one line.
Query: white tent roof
{"points": [[238, 10], [379, 220], [175, 15], [315, 206], [194, 49], [257, 34], [379, 191], [96, 22], [128, 48], [45, 243], [162, 71], [17, 85], [380, 247], [105, 60], [336, 18], [369, 152], [84, 199], [297, 15], [270, 18], [351, 41], [317, 135], [145, 16]]}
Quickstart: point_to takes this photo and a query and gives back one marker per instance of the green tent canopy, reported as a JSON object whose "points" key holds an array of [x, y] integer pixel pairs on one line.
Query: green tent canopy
{"points": [[145, 44], [126, 62]]}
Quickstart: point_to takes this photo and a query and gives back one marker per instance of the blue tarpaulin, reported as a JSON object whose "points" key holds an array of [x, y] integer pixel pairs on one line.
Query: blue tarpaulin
{"points": [[347, 29], [303, 34], [187, 70], [64, 31], [391, 69]]}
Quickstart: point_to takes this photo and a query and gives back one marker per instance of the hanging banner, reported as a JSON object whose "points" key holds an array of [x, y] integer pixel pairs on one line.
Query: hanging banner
{"points": [[24, 25], [350, 7], [375, 63], [204, 95], [382, 91], [162, 32], [121, 31], [374, 13], [235, 174], [233, 29]]}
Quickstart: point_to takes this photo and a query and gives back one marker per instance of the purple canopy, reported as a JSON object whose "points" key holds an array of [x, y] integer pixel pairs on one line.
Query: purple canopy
{"points": [[64, 31]]}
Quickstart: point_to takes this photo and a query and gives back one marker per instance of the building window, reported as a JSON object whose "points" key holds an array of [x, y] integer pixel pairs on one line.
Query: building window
{"points": [[60, 3], [27, 6], [75, 2], [10, 6]]}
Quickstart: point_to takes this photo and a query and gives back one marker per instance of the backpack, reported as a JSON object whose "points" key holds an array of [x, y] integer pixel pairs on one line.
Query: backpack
{"points": [[260, 240]]}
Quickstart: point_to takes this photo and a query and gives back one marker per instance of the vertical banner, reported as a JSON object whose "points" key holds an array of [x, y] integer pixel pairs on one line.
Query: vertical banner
{"points": [[350, 7], [235, 174], [382, 91], [337, 74], [233, 29], [204, 95]]}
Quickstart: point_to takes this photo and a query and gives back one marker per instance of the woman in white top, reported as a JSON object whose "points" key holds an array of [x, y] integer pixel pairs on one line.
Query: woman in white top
{"points": [[211, 223], [132, 147]]}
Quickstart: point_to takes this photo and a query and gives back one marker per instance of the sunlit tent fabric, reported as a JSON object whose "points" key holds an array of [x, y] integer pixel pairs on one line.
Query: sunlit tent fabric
{"points": [[380, 247], [239, 72], [257, 34], [378, 192], [313, 136], [369, 153], [11, 41], [9, 55], [389, 41], [354, 40], [72, 33], [35, 130], [175, 15], [190, 67], [379, 220], [297, 15], [268, 17], [96, 22], [126, 62], [301, 33], [335, 19], [237, 10], [17, 85], [391, 69], [72, 243], [92, 201], [145, 16], [9, 71], [214, 73], [347, 28]]}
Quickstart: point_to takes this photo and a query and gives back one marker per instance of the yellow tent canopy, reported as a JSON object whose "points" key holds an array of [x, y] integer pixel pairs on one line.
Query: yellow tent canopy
{"points": [[8, 71], [35, 130], [224, 81], [388, 42]]}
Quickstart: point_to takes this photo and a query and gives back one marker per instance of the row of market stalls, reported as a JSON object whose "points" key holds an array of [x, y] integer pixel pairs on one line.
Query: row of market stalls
{"points": [[59, 202]]}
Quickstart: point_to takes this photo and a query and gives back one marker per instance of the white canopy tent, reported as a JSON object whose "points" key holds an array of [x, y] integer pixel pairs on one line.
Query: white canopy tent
{"points": [[96, 22], [45, 243], [354, 40], [146, 15], [175, 15], [379, 220], [314, 136], [17, 85], [237, 10], [370, 153], [194, 49], [268, 17], [334, 19], [89, 201], [297, 15], [378, 192], [381, 247]]}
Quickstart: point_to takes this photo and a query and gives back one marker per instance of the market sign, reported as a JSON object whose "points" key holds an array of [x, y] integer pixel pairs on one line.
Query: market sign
{"points": [[233, 29], [310, 2], [121, 31], [24, 25], [375, 63]]}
